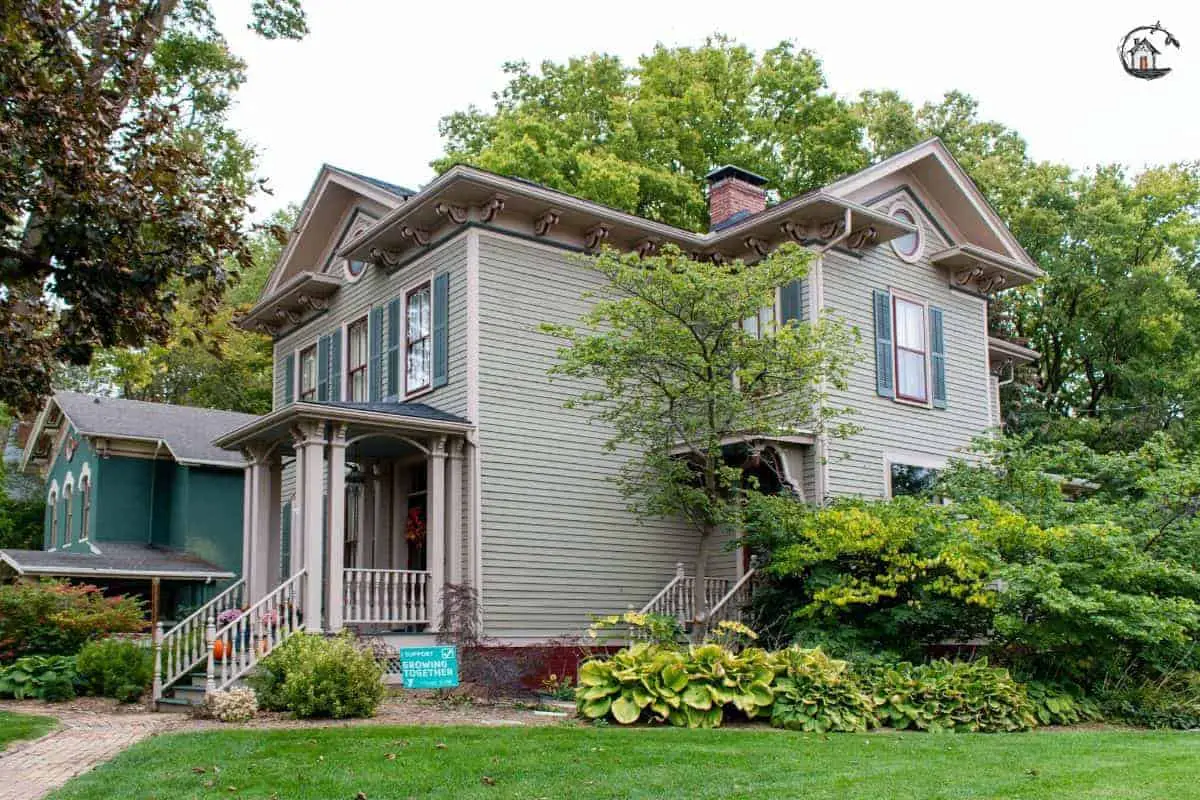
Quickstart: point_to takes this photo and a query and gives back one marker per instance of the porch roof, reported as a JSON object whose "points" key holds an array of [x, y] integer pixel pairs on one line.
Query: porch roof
{"points": [[384, 416], [114, 560]]}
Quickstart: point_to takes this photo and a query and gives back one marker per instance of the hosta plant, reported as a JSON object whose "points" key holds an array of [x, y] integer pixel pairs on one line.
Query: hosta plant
{"points": [[951, 695], [1057, 705], [41, 677], [816, 693], [639, 682]]}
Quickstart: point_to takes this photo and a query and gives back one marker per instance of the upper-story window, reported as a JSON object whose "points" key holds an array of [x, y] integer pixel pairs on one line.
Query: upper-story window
{"points": [[762, 323], [69, 506], [418, 338], [356, 361], [911, 350], [908, 246], [308, 373], [85, 512], [52, 510]]}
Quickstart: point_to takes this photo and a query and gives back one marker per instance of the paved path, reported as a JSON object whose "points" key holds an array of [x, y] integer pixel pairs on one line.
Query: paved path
{"points": [[31, 770]]}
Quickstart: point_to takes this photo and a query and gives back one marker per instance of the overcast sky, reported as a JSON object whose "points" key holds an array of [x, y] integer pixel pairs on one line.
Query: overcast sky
{"points": [[366, 89]]}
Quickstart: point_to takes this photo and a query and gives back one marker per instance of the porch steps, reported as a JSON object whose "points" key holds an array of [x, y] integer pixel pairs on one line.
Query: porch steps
{"points": [[187, 693]]}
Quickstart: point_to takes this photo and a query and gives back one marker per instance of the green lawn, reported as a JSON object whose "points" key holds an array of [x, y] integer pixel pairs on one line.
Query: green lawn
{"points": [[563, 762], [22, 726]]}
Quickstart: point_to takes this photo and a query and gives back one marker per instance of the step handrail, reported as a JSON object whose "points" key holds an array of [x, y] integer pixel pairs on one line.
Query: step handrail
{"points": [[720, 604], [181, 649], [259, 630], [679, 577]]}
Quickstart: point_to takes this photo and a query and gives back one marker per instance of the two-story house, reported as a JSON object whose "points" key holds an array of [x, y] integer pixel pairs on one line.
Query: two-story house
{"points": [[416, 440]]}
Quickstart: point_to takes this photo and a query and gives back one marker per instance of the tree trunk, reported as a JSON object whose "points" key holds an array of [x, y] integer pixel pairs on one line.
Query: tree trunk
{"points": [[699, 606]]}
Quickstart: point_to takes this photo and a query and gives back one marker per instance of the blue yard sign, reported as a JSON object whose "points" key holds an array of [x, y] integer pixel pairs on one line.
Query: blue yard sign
{"points": [[429, 667]]}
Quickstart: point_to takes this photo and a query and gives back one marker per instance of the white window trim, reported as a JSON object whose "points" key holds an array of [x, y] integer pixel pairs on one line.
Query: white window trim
{"points": [[344, 367], [85, 474], [894, 293], [298, 371], [402, 384], [919, 251], [908, 458]]}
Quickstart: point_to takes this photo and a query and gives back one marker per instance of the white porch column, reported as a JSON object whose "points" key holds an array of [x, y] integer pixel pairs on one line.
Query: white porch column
{"points": [[266, 493], [310, 449], [248, 516], [337, 525], [454, 527], [381, 515], [435, 533], [277, 571]]}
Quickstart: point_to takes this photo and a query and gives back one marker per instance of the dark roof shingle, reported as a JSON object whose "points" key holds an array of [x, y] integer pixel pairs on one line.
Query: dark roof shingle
{"points": [[188, 432], [114, 559]]}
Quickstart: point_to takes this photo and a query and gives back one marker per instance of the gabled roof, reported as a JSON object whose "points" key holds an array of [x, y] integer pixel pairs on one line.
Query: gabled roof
{"points": [[394, 188], [186, 432]]}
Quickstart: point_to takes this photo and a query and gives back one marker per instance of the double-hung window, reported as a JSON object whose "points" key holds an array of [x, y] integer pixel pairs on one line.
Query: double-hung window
{"points": [[911, 350], [308, 373], [356, 361], [418, 338], [761, 324]]}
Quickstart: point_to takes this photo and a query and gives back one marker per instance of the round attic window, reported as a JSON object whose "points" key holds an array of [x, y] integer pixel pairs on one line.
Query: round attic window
{"points": [[355, 269], [907, 246]]}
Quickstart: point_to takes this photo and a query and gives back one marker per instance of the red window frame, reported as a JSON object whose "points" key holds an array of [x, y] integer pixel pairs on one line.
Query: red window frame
{"points": [[896, 348], [310, 393], [353, 370], [426, 286]]}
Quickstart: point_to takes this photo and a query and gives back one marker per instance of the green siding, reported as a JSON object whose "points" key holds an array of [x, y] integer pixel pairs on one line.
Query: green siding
{"points": [[58, 475], [123, 492], [206, 519]]}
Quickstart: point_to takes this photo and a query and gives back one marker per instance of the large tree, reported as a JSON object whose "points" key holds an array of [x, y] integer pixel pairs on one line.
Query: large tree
{"points": [[641, 138], [668, 364], [120, 179]]}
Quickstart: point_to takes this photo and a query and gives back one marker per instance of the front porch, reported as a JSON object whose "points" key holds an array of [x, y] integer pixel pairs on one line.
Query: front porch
{"points": [[368, 501]]}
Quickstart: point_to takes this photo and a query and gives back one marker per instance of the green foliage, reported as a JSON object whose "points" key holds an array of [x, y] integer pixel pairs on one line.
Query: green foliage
{"points": [[641, 138], [1171, 701], [316, 676], [950, 695], [57, 617], [121, 180], [1061, 705], [816, 693], [653, 357], [50, 678], [659, 629], [116, 668]]}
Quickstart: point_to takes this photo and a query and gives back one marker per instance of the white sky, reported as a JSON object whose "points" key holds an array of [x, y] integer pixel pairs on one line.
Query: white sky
{"points": [[366, 89]]}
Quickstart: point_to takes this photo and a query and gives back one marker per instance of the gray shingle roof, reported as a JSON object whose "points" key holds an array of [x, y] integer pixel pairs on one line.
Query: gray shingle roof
{"points": [[416, 410], [115, 559], [394, 188], [188, 432]]}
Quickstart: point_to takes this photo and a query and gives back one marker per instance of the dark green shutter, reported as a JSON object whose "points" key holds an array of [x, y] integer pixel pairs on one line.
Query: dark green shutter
{"points": [[375, 336], [791, 306], [335, 366], [323, 369], [937, 355], [885, 368], [394, 326], [441, 310], [289, 379], [285, 541]]}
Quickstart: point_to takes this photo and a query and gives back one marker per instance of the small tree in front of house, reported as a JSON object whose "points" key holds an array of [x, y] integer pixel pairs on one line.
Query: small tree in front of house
{"points": [[670, 366]]}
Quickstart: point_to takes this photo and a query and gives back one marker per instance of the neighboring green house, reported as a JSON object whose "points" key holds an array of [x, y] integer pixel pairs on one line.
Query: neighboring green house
{"points": [[135, 492]]}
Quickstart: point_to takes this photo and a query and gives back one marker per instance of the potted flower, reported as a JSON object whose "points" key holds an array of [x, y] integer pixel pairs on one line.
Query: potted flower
{"points": [[221, 648]]}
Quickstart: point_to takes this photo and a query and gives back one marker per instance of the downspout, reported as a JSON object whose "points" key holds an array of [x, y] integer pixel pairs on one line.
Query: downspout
{"points": [[153, 486]]}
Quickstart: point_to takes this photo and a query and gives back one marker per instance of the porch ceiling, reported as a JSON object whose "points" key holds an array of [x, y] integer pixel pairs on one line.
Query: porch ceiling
{"points": [[362, 420]]}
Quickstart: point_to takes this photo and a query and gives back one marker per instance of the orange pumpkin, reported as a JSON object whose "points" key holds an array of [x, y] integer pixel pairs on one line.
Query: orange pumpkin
{"points": [[219, 649]]}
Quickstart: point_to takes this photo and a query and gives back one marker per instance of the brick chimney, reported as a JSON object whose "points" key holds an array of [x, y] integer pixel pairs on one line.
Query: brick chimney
{"points": [[733, 193]]}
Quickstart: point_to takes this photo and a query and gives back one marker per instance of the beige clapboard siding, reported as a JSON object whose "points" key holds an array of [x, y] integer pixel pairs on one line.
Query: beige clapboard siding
{"points": [[559, 542], [856, 464]]}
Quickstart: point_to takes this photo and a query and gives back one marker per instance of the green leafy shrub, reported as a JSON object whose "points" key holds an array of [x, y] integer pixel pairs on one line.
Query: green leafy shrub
{"points": [[950, 695], [50, 678], [1170, 702], [57, 618], [316, 676], [115, 668], [816, 693], [1059, 705]]}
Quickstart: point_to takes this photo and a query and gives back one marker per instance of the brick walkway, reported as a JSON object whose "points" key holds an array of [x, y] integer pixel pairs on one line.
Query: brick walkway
{"points": [[31, 770]]}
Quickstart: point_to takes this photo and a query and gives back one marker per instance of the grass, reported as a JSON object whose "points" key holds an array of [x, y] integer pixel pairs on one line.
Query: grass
{"points": [[572, 762], [14, 727]]}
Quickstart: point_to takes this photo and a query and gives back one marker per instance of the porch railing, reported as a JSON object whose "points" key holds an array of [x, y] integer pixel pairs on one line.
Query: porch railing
{"points": [[735, 600], [235, 648], [392, 596], [181, 649], [676, 598]]}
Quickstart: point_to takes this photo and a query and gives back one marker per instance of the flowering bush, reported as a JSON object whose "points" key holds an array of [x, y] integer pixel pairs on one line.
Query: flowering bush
{"points": [[227, 616], [57, 618], [233, 705]]}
